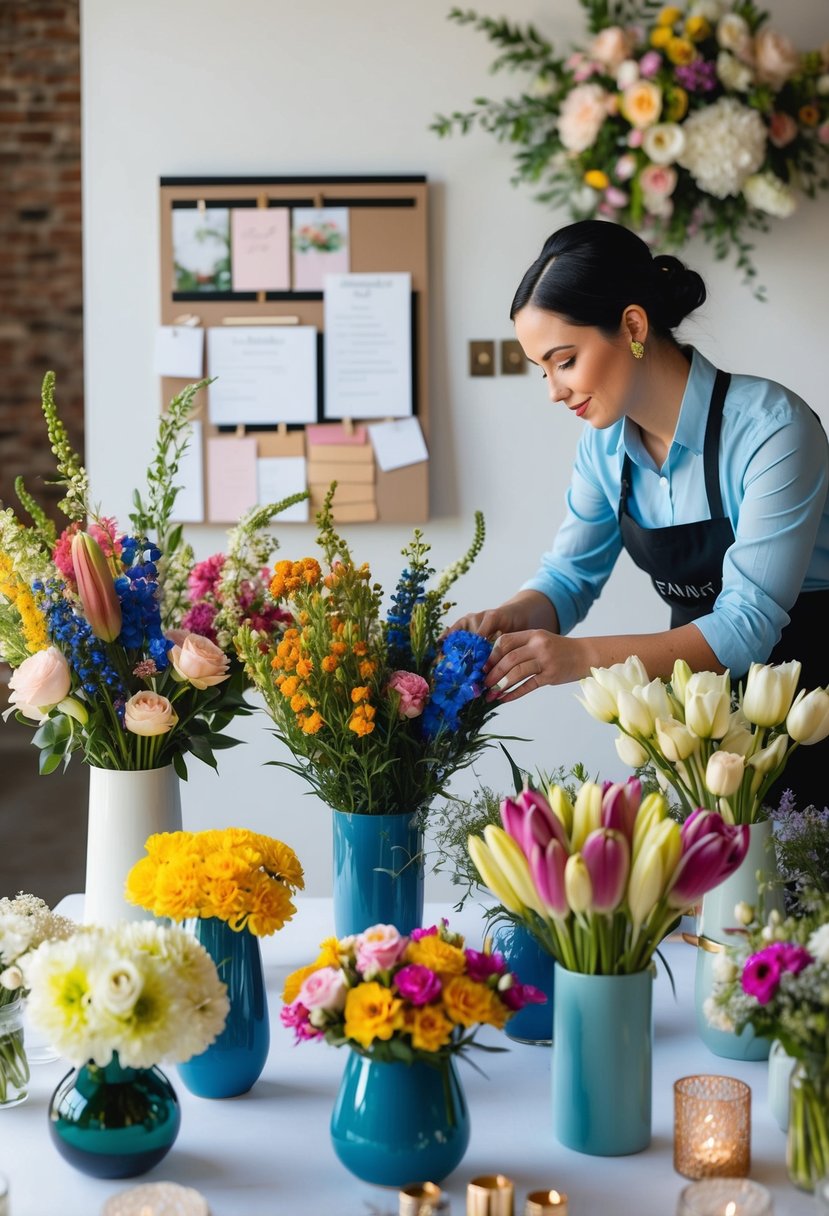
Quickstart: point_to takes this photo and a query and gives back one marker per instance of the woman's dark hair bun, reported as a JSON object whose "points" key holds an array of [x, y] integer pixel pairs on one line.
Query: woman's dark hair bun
{"points": [[679, 289]]}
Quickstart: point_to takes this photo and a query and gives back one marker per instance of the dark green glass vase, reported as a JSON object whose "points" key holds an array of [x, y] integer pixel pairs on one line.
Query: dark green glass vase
{"points": [[112, 1121]]}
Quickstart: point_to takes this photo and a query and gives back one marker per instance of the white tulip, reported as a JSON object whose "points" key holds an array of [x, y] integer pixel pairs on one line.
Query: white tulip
{"points": [[630, 752], [676, 741], [724, 773], [634, 715], [769, 692], [769, 758], [597, 700], [655, 696], [708, 704], [620, 676], [808, 718], [738, 738], [680, 676]]}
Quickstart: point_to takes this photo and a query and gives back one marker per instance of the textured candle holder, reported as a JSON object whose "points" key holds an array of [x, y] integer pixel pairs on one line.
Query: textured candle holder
{"points": [[490, 1195], [712, 1127], [546, 1203], [422, 1199], [725, 1197], [157, 1199]]}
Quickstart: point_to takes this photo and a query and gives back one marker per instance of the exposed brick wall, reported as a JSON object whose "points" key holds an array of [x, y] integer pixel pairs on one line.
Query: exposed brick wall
{"points": [[41, 302]]}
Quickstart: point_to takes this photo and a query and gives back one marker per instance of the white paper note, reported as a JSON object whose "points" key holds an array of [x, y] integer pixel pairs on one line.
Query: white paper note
{"points": [[179, 351], [265, 374], [189, 504], [278, 477], [397, 443], [368, 345]]}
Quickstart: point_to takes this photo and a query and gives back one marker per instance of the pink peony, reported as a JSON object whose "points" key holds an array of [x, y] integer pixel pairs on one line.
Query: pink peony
{"points": [[480, 966], [782, 129], [39, 683], [378, 949], [412, 690], [324, 989], [775, 58], [582, 113], [417, 984], [657, 181], [610, 46]]}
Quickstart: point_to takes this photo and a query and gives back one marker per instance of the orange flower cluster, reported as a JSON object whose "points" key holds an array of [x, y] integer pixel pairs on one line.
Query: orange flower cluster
{"points": [[289, 577]]}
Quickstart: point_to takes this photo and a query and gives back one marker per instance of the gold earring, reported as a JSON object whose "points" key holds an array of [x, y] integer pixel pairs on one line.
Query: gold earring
{"points": [[637, 349]]}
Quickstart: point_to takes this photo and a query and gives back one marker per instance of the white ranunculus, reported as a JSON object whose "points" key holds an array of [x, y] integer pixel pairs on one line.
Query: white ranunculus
{"points": [[724, 144], [626, 74], [663, 143], [770, 194], [733, 34]]}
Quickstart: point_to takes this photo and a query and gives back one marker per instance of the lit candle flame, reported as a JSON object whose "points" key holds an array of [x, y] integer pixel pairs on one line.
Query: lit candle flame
{"points": [[555, 1197], [731, 1209]]}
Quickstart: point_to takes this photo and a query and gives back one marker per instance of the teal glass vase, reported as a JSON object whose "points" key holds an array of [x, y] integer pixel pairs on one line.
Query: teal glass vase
{"points": [[378, 872], [113, 1121], [233, 1063], [602, 1062], [532, 965], [396, 1123]]}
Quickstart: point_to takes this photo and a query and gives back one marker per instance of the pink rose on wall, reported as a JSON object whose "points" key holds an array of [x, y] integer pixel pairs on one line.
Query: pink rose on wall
{"points": [[412, 690], [379, 948], [40, 682], [582, 114], [775, 57], [610, 46]]}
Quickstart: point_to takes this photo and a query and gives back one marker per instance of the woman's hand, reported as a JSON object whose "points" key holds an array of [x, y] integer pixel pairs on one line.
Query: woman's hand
{"points": [[521, 662], [527, 610]]}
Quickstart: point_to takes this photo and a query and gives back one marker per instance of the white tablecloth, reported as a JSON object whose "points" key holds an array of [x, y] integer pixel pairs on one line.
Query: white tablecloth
{"points": [[268, 1153]]}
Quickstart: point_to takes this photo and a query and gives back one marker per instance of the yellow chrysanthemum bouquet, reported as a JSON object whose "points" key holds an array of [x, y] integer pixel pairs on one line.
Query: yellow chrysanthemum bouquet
{"points": [[233, 875]]}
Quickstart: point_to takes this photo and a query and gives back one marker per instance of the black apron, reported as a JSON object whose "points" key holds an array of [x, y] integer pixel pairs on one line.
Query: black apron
{"points": [[685, 565]]}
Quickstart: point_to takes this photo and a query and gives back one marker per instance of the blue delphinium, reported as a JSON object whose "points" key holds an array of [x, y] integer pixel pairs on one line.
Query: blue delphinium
{"points": [[137, 590], [408, 592], [458, 678], [72, 634]]}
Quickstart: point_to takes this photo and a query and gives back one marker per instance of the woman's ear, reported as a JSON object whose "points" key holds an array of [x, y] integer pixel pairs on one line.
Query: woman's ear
{"points": [[635, 324]]}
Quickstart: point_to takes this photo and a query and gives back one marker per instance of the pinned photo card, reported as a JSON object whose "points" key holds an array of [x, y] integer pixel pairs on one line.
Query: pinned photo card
{"points": [[398, 443], [260, 249], [179, 351], [326, 433], [201, 249], [319, 240], [278, 477], [368, 345], [264, 374], [231, 477], [189, 505]]}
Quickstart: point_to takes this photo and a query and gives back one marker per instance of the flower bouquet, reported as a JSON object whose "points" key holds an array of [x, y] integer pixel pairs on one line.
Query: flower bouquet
{"points": [[115, 1002], [598, 882], [25, 922], [232, 887], [775, 979], [696, 118], [378, 713], [407, 1006], [801, 846]]}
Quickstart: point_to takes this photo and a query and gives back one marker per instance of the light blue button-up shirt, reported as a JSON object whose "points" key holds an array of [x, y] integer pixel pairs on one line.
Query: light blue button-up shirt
{"points": [[774, 472]]}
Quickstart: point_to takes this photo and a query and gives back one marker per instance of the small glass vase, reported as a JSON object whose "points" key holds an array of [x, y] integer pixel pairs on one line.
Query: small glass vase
{"points": [[14, 1066], [532, 965], [807, 1144], [113, 1121], [396, 1123]]}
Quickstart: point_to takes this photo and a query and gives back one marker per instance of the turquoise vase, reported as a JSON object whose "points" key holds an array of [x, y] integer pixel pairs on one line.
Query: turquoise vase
{"points": [[112, 1121], [717, 916], [396, 1123], [532, 965], [602, 1036], [378, 872], [234, 1061]]}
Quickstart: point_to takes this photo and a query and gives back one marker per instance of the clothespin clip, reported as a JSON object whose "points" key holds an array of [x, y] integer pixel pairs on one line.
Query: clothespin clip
{"points": [[187, 318], [282, 429], [240, 430], [319, 201], [202, 206], [262, 200], [348, 426]]}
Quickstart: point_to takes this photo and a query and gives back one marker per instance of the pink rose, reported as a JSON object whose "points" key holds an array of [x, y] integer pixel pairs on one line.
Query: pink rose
{"points": [[378, 949], [582, 113], [782, 129], [625, 166], [200, 661], [610, 46], [649, 64], [412, 690], [417, 984], [148, 713], [40, 682], [775, 57], [616, 197], [323, 989], [657, 181], [177, 636]]}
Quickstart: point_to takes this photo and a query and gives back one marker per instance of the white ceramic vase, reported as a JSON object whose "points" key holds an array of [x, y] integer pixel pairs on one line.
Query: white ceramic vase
{"points": [[124, 809]]}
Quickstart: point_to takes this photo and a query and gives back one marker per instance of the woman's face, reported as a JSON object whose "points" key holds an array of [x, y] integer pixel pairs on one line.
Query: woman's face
{"points": [[592, 375]]}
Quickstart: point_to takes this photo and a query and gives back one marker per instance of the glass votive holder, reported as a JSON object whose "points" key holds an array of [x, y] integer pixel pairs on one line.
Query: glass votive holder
{"points": [[490, 1195], [156, 1199], [712, 1127], [423, 1199], [546, 1203], [725, 1197]]}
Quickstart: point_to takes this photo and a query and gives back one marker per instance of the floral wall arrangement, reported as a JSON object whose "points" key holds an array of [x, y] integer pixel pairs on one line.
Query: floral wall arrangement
{"points": [[675, 121]]}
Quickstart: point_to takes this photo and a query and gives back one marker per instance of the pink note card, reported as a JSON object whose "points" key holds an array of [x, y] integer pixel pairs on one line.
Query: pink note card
{"points": [[260, 249], [335, 432], [231, 477]]}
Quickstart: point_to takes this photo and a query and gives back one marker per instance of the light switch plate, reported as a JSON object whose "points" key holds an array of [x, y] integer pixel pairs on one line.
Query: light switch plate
{"points": [[513, 359], [482, 358]]}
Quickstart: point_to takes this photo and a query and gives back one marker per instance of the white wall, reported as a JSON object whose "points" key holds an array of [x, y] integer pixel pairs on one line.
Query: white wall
{"points": [[273, 87]]}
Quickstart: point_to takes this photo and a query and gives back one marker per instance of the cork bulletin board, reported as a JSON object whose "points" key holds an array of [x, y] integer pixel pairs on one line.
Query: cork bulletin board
{"points": [[387, 234]]}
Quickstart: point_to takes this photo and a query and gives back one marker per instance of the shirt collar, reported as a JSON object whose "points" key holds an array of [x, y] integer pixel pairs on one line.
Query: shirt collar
{"points": [[692, 420]]}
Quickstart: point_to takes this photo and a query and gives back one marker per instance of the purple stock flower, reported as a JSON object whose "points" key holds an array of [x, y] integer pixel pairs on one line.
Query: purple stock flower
{"points": [[417, 984], [698, 76], [480, 966], [518, 995]]}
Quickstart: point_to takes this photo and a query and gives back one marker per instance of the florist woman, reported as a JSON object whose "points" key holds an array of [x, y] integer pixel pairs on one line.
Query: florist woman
{"points": [[715, 484]]}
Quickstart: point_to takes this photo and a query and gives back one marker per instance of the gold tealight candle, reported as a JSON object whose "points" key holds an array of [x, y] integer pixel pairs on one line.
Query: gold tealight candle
{"points": [[421, 1199], [490, 1195], [712, 1127], [546, 1203]]}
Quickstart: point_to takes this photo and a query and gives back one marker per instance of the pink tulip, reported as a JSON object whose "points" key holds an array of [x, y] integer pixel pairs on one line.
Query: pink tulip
{"points": [[606, 854], [711, 857], [620, 806], [529, 820], [547, 871], [96, 587]]}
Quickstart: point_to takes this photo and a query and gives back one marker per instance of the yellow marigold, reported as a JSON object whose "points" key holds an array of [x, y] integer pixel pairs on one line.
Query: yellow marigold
{"points": [[304, 668], [498, 1012], [329, 955], [338, 648], [597, 179], [299, 702], [370, 1011], [166, 845], [289, 687], [466, 1001], [360, 648], [681, 51], [279, 858], [367, 669], [140, 886], [360, 693], [676, 104], [669, 15], [330, 663], [310, 571], [660, 37], [268, 905], [438, 955], [809, 115], [179, 889], [225, 864], [362, 720], [312, 723], [429, 1027], [281, 572], [697, 28], [292, 985]]}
